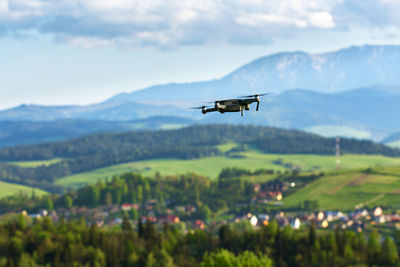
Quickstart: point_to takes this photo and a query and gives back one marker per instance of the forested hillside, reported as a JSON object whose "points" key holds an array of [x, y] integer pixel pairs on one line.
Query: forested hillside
{"points": [[190, 142], [102, 150]]}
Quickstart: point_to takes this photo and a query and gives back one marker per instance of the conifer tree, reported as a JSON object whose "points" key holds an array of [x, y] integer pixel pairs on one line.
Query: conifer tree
{"points": [[374, 248], [389, 252], [109, 200], [126, 225]]}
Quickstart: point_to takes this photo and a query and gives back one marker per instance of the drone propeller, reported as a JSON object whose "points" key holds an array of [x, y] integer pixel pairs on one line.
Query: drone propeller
{"points": [[203, 109], [255, 95], [213, 102]]}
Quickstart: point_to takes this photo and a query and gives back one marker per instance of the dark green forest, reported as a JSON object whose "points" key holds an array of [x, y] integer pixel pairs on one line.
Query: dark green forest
{"points": [[73, 243], [101, 150]]}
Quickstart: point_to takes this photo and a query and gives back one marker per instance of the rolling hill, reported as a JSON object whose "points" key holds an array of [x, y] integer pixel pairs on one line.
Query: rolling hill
{"points": [[195, 142], [212, 166], [28, 132], [341, 190]]}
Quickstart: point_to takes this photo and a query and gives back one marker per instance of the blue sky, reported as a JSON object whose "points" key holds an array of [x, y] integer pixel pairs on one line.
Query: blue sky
{"points": [[84, 51]]}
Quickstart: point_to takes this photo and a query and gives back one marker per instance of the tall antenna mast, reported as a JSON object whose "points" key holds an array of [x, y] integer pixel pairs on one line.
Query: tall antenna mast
{"points": [[338, 153]]}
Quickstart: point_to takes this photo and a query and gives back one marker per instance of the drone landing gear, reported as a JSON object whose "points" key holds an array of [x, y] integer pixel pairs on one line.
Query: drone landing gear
{"points": [[241, 110]]}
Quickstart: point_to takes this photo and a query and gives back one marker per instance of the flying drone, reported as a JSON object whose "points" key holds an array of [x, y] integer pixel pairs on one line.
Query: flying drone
{"points": [[233, 105]]}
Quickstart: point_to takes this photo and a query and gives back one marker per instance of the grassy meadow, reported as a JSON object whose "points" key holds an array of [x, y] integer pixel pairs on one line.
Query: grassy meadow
{"points": [[7, 189], [35, 163], [211, 166], [345, 189], [351, 189]]}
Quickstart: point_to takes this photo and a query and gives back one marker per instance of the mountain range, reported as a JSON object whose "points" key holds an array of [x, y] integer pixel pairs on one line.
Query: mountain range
{"points": [[353, 92], [345, 69]]}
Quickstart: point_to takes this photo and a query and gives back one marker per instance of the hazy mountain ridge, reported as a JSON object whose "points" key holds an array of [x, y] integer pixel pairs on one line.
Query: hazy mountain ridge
{"points": [[327, 77], [342, 70], [112, 111], [34, 132], [372, 110], [395, 137]]}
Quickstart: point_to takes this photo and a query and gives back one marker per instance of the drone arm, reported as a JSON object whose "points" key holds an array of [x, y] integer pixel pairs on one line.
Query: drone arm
{"points": [[212, 109]]}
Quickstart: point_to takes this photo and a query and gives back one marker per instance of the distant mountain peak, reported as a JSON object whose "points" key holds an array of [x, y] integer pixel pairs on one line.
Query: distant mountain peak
{"points": [[325, 100]]}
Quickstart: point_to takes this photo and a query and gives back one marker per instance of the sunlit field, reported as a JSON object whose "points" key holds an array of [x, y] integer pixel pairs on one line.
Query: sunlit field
{"points": [[211, 166], [348, 190], [7, 189]]}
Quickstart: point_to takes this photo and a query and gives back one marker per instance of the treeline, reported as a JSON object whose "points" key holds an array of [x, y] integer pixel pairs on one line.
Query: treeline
{"points": [[44, 176], [297, 142], [96, 151], [144, 144], [73, 243], [238, 172], [40, 177], [188, 189], [228, 193]]}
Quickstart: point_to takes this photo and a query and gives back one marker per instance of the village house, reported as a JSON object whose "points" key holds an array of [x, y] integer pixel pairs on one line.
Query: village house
{"points": [[150, 204], [128, 207], [190, 209], [168, 219], [198, 224]]}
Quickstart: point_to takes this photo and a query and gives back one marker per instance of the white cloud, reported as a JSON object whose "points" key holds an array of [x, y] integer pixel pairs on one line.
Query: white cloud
{"points": [[262, 20], [88, 43], [3, 6], [321, 20], [186, 15], [108, 5], [173, 23]]}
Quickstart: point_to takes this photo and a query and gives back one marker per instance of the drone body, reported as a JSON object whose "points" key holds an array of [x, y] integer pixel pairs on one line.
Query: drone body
{"points": [[233, 105]]}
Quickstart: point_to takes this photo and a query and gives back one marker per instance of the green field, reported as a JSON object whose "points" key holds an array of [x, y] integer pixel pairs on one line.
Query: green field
{"points": [[211, 167], [351, 189], [7, 189], [344, 189], [226, 147], [337, 130], [36, 163]]}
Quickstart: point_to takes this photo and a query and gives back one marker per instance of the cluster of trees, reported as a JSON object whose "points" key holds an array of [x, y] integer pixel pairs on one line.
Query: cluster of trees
{"points": [[29, 202], [199, 191], [233, 172], [73, 243], [189, 189], [101, 150]]}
